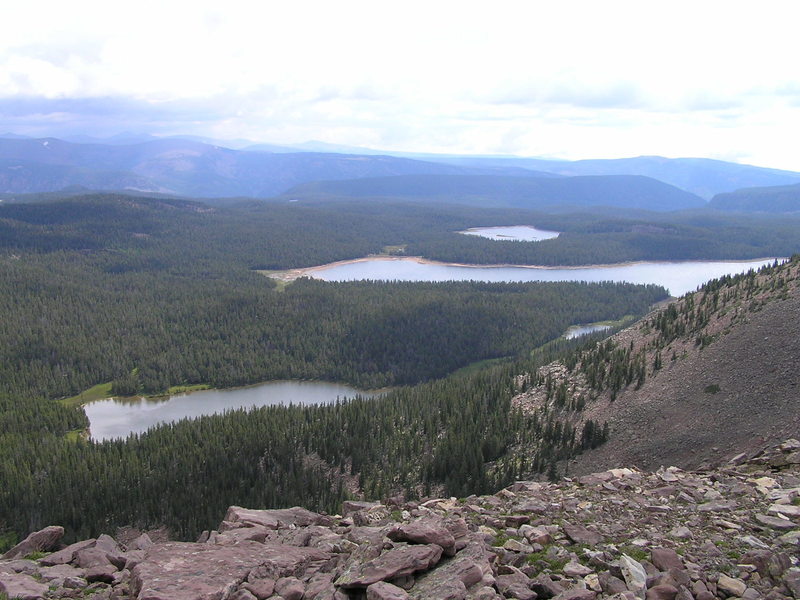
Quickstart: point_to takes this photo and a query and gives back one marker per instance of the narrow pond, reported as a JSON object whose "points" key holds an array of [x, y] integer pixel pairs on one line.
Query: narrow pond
{"points": [[678, 277], [118, 418]]}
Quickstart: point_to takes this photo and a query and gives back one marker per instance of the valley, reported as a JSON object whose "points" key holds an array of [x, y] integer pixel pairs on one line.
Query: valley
{"points": [[147, 294]]}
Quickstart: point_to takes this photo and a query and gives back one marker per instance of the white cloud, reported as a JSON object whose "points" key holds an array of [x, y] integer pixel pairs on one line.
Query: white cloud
{"points": [[576, 78]]}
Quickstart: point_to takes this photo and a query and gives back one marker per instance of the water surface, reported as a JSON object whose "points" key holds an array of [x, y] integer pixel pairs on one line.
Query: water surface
{"points": [[678, 277], [522, 233], [117, 418]]}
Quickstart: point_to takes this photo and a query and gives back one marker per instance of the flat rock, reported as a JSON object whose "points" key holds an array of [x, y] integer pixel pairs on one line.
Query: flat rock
{"points": [[256, 533], [190, 571], [789, 510], [274, 519], [717, 506], [60, 572], [22, 586], [43, 540], [776, 522], [576, 569]]}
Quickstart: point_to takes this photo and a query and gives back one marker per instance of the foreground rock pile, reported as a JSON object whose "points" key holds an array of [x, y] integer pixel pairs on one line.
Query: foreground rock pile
{"points": [[731, 532]]}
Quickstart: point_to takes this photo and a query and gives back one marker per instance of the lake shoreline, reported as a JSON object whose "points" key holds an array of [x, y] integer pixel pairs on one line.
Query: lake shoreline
{"points": [[116, 417], [290, 275]]}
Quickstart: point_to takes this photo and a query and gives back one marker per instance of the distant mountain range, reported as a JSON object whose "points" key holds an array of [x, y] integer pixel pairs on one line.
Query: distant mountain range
{"points": [[188, 168], [204, 168], [625, 191], [701, 176]]}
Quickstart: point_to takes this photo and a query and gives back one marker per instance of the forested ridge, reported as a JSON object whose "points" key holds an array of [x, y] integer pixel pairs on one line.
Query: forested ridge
{"points": [[149, 293]]}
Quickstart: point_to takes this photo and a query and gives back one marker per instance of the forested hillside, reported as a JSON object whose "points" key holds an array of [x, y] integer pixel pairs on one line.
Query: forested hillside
{"points": [[150, 293], [776, 199]]}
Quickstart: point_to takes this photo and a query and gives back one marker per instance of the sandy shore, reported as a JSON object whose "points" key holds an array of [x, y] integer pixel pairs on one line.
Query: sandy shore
{"points": [[292, 274]]}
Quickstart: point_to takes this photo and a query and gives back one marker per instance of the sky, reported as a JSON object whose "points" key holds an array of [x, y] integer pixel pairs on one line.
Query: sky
{"points": [[568, 79]]}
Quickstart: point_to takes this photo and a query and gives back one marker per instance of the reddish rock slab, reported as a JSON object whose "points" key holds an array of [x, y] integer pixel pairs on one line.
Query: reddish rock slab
{"points": [[385, 591], [43, 540], [665, 559], [452, 577], [66, 555], [189, 571], [256, 533], [425, 531], [23, 587], [400, 561], [273, 519], [661, 592], [581, 535]]}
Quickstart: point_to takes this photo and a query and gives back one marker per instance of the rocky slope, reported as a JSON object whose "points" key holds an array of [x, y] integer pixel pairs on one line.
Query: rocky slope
{"points": [[731, 532], [706, 376]]}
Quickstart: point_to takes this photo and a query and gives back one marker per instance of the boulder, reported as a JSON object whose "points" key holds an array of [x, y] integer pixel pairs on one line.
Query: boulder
{"points": [[43, 540], [351, 506], [634, 574], [731, 585], [452, 577], [102, 573], [576, 593], [576, 569], [545, 587], [91, 557], [66, 555], [290, 588], [403, 559], [611, 585], [661, 592], [665, 559], [382, 590], [579, 534], [430, 530], [256, 533]]}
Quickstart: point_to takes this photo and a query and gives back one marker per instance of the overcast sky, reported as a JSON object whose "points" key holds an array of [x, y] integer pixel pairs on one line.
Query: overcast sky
{"points": [[568, 79]]}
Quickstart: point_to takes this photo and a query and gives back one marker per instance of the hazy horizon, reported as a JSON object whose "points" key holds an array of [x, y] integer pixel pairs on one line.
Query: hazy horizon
{"points": [[572, 80]]}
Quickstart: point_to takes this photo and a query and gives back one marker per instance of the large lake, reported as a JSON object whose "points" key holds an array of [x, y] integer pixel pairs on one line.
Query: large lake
{"points": [[677, 277], [521, 233], [117, 418]]}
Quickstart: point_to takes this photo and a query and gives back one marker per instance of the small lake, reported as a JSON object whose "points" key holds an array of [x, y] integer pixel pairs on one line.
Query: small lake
{"points": [[678, 277], [117, 418], [520, 233]]}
